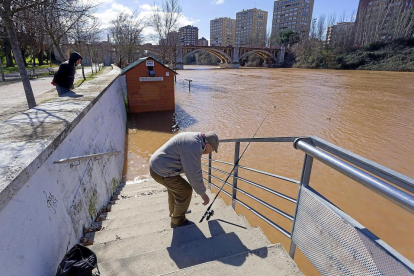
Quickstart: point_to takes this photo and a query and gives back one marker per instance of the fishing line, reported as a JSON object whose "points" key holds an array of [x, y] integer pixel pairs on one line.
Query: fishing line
{"points": [[209, 213]]}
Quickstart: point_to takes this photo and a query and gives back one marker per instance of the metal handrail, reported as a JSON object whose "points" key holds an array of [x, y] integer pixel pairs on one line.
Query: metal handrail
{"points": [[78, 158], [358, 168], [385, 173], [382, 188]]}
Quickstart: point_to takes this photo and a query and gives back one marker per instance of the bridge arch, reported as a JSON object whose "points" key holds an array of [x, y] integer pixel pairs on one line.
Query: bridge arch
{"points": [[263, 54], [222, 56], [157, 52]]}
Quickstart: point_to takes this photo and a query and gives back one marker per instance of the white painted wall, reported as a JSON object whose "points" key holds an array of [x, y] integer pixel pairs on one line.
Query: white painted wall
{"points": [[46, 216]]}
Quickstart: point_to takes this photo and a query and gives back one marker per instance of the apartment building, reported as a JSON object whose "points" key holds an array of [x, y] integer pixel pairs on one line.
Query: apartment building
{"points": [[339, 34], [383, 20], [295, 15], [251, 27], [172, 39], [202, 42], [222, 31], [188, 35]]}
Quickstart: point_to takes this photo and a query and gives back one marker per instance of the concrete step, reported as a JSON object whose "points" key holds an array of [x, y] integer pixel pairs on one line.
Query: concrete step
{"points": [[226, 217], [145, 184], [268, 260], [121, 221], [187, 254], [159, 210], [137, 202], [142, 190], [127, 247]]}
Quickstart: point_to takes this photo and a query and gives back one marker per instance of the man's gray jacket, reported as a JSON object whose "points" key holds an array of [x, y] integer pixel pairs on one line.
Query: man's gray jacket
{"points": [[182, 153]]}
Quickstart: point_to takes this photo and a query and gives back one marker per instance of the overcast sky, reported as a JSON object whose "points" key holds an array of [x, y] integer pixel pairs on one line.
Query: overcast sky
{"points": [[200, 12]]}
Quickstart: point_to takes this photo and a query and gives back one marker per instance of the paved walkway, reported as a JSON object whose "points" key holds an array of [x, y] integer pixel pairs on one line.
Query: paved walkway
{"points": [[13, 99]]}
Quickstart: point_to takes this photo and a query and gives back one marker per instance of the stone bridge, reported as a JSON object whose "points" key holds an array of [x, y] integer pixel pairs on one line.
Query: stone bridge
{"points": [[229, 56]]}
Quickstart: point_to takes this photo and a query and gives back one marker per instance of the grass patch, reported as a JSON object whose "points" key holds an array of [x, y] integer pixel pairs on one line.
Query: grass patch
{"points": [[8, 70], [47, 100], [88, 77]]}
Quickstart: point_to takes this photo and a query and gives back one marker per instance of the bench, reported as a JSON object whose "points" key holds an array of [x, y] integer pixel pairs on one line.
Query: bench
{"points": [[32, 75], [51, 71]]}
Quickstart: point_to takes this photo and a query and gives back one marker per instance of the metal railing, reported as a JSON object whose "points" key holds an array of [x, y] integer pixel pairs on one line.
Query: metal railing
{"points": [[95, 157], [364, 171]]}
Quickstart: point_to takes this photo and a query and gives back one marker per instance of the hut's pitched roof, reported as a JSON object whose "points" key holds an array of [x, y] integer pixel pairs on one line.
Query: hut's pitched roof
{"points": [[141, 60]]}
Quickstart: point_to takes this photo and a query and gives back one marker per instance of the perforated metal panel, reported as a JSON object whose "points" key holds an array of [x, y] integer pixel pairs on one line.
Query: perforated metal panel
{"points": [[337, 245]]}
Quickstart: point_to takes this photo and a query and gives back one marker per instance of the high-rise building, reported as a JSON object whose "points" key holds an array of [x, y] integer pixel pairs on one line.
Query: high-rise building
{"points": [[202, 42], [295, 15], [172, 39], [188, 35], [339, 34], [383, 20], [222, 31], [251, 27]]}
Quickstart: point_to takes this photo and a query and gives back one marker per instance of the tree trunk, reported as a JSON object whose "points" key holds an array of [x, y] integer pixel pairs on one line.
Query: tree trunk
{"points": [[41, 57], [90, 57], [8, 23], [1, 70], [33, 61], [8, 51], [83, 72], [23, 53], [56, 44], [50, 56]]}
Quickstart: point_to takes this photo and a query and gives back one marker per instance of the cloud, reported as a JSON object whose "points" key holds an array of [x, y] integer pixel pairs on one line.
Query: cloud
{"points": [[146, 7], [218, 2], [106, 16]]}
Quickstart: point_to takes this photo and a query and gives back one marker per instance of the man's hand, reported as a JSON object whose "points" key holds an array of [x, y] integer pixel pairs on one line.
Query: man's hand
{"points": [[54, 84], [205, 198]]}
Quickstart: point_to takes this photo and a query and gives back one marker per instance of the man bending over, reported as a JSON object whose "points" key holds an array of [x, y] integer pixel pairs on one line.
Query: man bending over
{"points": [[182, 153]]}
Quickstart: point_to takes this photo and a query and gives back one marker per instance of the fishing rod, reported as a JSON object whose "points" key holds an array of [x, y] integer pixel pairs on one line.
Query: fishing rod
{"points": [[209, 213]]}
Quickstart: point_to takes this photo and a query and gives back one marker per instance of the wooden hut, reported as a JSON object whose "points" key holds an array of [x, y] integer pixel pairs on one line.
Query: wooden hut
{"points": [[150, 86]]}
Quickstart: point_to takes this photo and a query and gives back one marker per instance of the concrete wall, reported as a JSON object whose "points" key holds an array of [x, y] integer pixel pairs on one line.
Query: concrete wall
{"points": [[43, 214]]}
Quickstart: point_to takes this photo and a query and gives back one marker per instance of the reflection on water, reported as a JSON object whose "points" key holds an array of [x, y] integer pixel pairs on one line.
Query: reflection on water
{"points": [[368, 113]]}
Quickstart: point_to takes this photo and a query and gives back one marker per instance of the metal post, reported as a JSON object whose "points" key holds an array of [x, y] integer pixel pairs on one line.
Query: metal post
{"points": [[235, 173], [304, 182], [189, 85], [209, 171]]}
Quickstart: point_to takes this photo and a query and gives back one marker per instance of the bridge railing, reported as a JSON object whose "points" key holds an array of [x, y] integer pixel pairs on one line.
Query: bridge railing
{"points": [[334, 242]]}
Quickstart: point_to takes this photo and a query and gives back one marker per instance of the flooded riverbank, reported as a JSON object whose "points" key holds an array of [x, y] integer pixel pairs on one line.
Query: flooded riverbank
{"points": [[368, 113]]}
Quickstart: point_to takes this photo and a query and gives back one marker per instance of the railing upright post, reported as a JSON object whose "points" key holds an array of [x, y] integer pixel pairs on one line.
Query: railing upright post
{"points": [[304, 181], [209, 171], [235, 173]]}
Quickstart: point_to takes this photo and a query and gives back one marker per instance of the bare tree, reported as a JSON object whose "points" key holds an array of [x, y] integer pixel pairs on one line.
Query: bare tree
{"points": [[8, 10], [126, 34], [164, 20], [60, 18], [85, 33]]}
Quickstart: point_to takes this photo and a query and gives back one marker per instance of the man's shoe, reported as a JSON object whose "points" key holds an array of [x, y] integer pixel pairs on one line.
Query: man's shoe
{"points": [[186, 222]]}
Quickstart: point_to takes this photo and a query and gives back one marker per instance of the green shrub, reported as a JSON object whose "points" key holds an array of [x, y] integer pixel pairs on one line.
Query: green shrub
{"points": [[374, 46]]}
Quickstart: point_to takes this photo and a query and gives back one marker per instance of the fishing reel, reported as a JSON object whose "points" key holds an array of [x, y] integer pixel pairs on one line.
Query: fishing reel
{"points": [[209, 214]]}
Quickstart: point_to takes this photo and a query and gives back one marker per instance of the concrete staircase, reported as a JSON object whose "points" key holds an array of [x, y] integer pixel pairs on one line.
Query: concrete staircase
{"points": [[135, 238]]}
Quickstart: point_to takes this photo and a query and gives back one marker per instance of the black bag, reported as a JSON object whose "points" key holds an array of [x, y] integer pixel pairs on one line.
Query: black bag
{"points": [[79, 261]]}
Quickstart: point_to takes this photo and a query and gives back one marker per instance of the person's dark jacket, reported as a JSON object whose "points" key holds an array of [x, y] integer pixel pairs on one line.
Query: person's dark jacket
{"points": [[65, 76]]}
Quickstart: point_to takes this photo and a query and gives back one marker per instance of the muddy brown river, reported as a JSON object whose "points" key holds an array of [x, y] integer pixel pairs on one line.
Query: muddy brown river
{"points": [[368, 113]]}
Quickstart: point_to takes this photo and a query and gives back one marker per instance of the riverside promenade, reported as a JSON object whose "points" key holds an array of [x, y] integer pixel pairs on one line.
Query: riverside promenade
{"points": [[13, 99]]}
